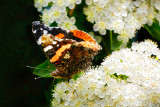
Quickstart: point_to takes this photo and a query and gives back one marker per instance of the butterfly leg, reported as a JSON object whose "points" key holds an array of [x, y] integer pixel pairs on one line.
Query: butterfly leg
{"points": [[58, 74], [55, 73]]}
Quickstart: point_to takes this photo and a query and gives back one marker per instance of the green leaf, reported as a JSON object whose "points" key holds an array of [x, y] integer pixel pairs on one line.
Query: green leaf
{"points": [[48, 94], [154, 30], [129, 44], [44, 69], [76, 76], [115, 44]]}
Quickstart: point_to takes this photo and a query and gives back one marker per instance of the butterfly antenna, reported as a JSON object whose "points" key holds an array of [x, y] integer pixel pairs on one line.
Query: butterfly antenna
{"points": [[40, 77], [38, 68]]}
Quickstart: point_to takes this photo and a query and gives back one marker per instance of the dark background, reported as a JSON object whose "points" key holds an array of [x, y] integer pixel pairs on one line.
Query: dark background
{"points": [[18, 48]]}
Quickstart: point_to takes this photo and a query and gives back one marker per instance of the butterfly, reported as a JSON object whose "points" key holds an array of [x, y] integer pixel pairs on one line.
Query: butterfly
{"points": [[69, 51]]}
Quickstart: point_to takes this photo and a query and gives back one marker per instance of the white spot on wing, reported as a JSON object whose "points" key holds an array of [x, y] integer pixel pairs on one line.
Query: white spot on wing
{"points": [[45, 31], [34, 31], [58, 39], [49, 35], [54, 42], [39, 41], [47, 48]]}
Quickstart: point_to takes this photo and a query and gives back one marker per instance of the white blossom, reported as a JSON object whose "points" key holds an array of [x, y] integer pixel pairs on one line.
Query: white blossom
{"points": [[99, 88], [122, 16], [41, 3], [57, 11], [101, 25], [54, 14], [67, 23]]}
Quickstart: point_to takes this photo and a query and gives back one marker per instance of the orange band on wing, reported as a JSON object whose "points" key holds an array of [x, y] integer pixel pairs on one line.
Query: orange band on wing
{"points": [[59, 52], [91, 45], [82, 35], [60, 35]]}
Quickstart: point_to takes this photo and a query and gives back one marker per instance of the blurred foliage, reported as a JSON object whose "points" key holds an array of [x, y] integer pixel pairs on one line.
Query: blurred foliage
{"points": [[154, 30], [19, 49], [115, 44]]}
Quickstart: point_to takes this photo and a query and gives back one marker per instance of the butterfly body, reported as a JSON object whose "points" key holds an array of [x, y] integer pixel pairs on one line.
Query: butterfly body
{"points": [[70, 52]]}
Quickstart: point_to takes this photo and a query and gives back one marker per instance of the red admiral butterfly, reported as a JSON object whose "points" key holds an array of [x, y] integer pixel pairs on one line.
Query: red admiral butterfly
{"points": [[70, 52]]}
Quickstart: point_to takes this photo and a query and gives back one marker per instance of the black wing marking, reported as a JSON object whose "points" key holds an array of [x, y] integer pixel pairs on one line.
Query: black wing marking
{"points": [[40, 28], [71, 36]]}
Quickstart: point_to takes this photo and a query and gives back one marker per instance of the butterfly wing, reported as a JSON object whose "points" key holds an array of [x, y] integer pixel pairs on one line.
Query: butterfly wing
{"points": [[69, 52]]}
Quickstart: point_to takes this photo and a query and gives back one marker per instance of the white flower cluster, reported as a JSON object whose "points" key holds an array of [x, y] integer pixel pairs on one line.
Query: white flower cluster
{"points": [[122, 16], [97, 88], [57, 12], [68, 23], [61, 3]]}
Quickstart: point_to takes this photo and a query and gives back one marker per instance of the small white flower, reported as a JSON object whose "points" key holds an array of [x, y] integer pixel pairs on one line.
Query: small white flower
{"points": [[71, 3], [90, 12], [100, 25], [158, 17], [67, 23], [41, 3], [46, 17], [88, 2], [151, 15]]}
